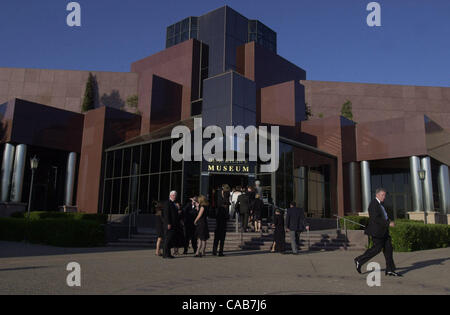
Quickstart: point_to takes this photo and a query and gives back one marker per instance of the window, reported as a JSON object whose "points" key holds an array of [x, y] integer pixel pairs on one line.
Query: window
{"points": [[143, 174], [182, 31]]}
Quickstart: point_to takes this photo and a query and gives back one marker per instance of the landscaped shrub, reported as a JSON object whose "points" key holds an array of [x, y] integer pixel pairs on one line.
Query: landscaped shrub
{"points": [[65, 232], [40, 215], [408, 235]]}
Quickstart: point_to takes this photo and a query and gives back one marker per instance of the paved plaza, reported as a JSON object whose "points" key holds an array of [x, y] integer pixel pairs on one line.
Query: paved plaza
{"points": [[35, 269]]}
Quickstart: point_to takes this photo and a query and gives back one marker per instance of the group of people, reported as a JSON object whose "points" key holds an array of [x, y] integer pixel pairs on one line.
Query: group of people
{"points": [[182, 227], [246, 203], [177, 227]]}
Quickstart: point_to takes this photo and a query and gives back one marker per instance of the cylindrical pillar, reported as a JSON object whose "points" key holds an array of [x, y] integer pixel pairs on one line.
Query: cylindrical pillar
{"points": [[416, 184], [427, 184], [70, 178], [444, 189], [7, 166], [352, 183], [19, 168], [365, 185]]}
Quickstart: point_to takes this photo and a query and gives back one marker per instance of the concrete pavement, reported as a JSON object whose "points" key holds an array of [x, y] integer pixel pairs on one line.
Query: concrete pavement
{"points": [[35, 269]]}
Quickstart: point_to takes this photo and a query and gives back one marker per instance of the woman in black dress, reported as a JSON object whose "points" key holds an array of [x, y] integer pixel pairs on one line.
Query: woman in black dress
{"points": [[201, 223], [258, 205], [279, 236], [159, 227]]}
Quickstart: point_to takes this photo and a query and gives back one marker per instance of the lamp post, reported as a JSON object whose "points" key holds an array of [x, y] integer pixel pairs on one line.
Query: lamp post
{"points": [[422, 175], [34, 162]]}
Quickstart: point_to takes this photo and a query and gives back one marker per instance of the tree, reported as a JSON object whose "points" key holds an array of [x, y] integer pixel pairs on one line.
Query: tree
{"points": [[133, 101], [346, 110], [89, 94], [308, 112]]}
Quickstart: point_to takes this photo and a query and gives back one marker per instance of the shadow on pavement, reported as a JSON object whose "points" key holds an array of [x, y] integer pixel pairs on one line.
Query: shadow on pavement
{"points": [[422, 264], [24, 268], [22, 249]]}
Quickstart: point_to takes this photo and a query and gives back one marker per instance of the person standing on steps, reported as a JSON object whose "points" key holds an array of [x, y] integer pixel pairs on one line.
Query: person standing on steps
{"points": [[295, 224], [221, 220], [378, 229], [258, 205], [279, 235], [243, 203]]}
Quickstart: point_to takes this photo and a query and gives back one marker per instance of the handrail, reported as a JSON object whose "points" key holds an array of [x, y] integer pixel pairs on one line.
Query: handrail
{"points": [[345, 219], [345, 227]]}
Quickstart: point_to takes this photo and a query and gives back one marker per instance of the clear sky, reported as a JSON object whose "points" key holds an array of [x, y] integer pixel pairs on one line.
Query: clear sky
{"points": [[328, 38]]}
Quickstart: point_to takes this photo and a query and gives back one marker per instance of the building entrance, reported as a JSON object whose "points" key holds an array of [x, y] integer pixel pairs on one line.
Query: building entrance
{"points": [[217, 180]]}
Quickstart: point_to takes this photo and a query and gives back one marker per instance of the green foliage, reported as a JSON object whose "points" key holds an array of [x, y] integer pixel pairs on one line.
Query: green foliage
{"points": [[308, 112], [55, 228], [133, 101], [89, 94], [63, 232], [42, 215], [320, 115], [346, 110], [408, 235]]}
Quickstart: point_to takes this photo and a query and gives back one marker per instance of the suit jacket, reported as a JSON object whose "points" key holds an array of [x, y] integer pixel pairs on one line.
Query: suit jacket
{"points": [[378, 225], [189, 215], [244, 203], [170, 214], [295, 219]]}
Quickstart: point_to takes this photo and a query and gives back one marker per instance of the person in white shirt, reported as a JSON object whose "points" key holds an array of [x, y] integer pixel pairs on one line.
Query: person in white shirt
{"points": [[234, 196]]}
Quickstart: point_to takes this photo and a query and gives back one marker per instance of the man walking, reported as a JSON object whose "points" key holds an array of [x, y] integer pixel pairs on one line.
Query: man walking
{"points": [[170, 223], [295, 224], [378, 229]]}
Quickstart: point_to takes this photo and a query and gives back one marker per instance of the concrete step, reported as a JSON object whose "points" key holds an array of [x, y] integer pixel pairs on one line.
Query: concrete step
{"points": [[236, 247]]}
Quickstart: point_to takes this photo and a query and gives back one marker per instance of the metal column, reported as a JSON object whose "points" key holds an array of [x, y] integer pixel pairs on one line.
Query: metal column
{"points": [[70, 178], [416, 184], [444, 189], [19, 168], [7, 166], [427, 184], [365, 185]]}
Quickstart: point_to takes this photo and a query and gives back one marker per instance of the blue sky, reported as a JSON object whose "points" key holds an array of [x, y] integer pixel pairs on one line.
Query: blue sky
{"points": [[328, 38]]}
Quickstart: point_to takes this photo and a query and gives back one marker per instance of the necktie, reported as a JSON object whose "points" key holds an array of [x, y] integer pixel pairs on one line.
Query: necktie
{"points": [[384, 212]]}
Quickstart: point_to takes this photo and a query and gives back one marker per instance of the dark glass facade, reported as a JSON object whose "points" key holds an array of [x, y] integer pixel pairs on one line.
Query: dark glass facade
{"points": [[261, 34], [138, 175], [304, 177], [182, 31]]}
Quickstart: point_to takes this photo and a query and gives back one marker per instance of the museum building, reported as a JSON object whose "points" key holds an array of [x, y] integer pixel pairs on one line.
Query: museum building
{"points": [[223, 68]]}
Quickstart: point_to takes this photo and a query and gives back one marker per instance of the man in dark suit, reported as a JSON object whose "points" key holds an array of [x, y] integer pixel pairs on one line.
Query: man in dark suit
{"points": [[189, 215], [221, 220], [243, 203], [295, 224], [378, 229], [170, 223]]}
